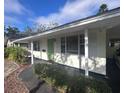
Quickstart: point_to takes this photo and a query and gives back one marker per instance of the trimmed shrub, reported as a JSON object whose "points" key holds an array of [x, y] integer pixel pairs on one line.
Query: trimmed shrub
{"points": [[58, 77], [16, 54]]}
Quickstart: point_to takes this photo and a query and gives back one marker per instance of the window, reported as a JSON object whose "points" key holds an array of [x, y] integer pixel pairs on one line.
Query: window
{"points": [[63, 45], [36, 46], [72, 44], [82, 43]]}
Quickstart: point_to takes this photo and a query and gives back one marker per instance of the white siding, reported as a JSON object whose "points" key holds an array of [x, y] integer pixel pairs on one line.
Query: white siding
{"points": [[44, 47], [72, 59], [97, 51], [96, 57], [37, 54]]}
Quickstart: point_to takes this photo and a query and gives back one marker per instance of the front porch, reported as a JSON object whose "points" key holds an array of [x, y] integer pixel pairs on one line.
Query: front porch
{"points": [[81, 44], [82, 49]]}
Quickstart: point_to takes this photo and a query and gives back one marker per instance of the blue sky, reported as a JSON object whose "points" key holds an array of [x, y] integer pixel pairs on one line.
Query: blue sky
{"points": [[22, 13]]}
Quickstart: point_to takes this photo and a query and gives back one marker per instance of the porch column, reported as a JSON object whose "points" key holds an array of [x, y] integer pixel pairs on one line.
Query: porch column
{"points": [[14, 45], [66, 47], [32, 58], [18, 44], [86, 52], [79, 56]]}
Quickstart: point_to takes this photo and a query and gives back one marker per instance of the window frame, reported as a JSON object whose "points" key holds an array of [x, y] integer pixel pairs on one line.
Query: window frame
{"points": [[63, 45], [72, 47], [80, 45], [36, 45]]}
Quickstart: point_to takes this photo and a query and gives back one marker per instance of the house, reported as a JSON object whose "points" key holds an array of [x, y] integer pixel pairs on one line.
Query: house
{"points": [[84, 44], [8, 39]]}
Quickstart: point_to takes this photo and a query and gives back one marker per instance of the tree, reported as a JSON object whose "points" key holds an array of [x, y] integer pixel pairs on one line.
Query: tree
{"points": [[44, 27], [28, 30], [103, 8], [11, 31]]}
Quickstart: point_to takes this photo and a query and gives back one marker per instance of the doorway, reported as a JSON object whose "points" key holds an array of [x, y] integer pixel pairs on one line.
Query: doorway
{"points": [[51, 49]]}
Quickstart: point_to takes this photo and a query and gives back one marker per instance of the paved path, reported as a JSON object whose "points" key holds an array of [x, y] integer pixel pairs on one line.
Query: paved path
{"points": [[34, 84], [9, 67]]}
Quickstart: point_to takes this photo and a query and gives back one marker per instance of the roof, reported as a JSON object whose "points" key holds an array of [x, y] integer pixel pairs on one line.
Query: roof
{"points": [[76, 21], [107, 14]]}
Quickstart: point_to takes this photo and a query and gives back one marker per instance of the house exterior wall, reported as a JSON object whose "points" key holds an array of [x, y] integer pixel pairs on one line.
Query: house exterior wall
{"points": [[97, 51], [43, 46], [96, 48], [66, 59], [9, 43]]}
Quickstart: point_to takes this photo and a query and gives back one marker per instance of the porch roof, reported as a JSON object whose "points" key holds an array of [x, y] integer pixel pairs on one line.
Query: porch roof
{"points": [[109, 18]]}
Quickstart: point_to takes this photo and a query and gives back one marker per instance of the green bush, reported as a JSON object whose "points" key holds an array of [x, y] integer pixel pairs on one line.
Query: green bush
{"points": [[16, 54], [58, 77]]}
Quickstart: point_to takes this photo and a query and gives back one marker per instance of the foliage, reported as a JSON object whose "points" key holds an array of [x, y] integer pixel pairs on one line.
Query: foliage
{"points": [[11, 31], [36, 28], [44, 27], [28, 31], [58, 77], [103, 8], [16, 54]]}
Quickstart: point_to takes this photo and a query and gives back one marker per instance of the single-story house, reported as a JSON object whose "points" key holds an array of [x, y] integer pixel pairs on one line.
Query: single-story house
{"points": [[84, 44]]}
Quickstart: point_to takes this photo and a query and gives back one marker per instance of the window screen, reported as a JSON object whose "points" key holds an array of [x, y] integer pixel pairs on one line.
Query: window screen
{"points": [[63, 45], [36, 46], [82, 44], [72, 44]]}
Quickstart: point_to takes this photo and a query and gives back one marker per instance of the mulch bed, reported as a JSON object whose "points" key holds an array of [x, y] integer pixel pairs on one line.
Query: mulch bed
{"points": [[12, 84]]}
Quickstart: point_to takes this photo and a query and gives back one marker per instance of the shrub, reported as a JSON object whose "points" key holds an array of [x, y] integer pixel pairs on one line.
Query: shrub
{"points": [[16, 54], [58, 77]]}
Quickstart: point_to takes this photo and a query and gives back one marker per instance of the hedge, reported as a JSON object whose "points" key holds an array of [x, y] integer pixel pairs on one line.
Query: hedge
{"points": [[16, 54], [65, 83]]}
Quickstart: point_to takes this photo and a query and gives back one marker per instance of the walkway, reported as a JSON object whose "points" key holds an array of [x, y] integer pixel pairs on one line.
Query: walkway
{"points": [[34, 84]]}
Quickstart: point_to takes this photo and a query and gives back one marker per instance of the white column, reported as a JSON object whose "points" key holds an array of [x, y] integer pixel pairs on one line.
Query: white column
{"points": [[18, 44], [79, 56], [66, 48], [32, 58], [40, 43], [14, 45], [86, 52]]}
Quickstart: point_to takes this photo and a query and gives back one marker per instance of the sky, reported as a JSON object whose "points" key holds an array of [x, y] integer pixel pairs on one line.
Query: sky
{"points": [[23, 13]]}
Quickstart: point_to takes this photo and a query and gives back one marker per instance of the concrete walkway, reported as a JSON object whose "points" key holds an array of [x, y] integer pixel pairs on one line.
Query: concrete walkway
{"points": [[34, 84]]}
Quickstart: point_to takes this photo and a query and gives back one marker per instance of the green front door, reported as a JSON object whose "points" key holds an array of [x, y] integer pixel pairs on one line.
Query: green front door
{"points": [[51, 49]]}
